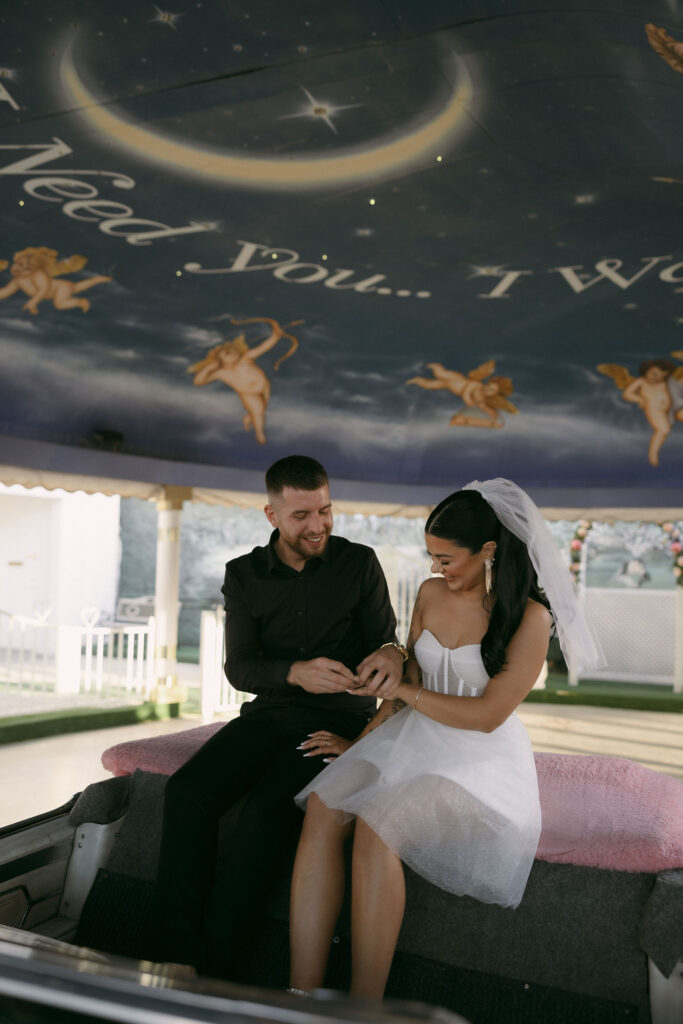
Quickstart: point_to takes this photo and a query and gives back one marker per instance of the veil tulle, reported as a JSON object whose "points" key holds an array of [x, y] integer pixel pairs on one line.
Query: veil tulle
{"points": [[515, 510]]}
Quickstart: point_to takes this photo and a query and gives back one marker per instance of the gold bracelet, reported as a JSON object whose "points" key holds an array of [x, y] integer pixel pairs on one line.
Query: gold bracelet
{"points": [[399, 647], [418, 696]]}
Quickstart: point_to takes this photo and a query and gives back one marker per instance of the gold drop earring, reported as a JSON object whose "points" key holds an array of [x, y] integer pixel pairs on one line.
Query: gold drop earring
{"points": [[488, 567]]}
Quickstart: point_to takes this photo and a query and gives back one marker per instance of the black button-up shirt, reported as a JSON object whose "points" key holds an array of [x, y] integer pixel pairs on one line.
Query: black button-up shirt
{"points": [[337, 607]]}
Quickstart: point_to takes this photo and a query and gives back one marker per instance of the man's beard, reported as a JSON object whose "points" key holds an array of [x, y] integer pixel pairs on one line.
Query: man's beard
{"points": [[307, 551]]}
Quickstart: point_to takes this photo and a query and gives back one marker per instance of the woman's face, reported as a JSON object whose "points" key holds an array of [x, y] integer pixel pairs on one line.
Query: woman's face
{"points": [[459, 567]]}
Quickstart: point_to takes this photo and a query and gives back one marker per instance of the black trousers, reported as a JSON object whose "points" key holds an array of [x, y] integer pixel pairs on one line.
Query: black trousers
{"points": [[202, 916]]}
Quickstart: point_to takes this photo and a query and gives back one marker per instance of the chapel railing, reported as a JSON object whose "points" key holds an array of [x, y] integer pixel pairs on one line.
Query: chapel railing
{"points": [[101, 661]]}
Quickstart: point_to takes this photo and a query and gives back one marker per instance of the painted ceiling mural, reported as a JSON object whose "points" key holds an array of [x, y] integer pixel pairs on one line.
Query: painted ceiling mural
{"points": [[424, 242]]}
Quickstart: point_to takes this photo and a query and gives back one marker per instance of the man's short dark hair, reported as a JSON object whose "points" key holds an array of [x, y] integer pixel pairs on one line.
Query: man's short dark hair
{"points": [[297, 471]]}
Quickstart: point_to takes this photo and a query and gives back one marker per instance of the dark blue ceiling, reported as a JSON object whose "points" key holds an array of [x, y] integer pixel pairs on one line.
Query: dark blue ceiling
{"points": [[484, 196]]}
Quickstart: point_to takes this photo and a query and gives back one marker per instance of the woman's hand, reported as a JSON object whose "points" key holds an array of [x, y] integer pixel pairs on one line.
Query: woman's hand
{"points": [[323, 742]]}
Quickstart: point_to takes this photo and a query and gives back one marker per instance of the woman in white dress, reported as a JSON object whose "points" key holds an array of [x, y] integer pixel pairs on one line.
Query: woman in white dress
{"points": [[443, 777]]}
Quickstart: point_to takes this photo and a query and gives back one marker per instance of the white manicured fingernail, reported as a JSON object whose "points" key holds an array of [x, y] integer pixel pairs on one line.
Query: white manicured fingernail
{"points": [[328, 760]]}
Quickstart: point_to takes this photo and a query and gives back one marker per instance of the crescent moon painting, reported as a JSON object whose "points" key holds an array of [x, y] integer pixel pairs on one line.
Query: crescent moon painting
{"points": [[351, 166], [405, 238]]}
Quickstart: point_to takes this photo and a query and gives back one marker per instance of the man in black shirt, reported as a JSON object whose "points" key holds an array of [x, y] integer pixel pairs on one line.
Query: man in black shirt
{"points": [[308, 618]]}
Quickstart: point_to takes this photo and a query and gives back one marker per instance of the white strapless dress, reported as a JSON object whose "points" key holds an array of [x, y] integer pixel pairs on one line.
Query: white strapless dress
{"points": [[459, 807]]}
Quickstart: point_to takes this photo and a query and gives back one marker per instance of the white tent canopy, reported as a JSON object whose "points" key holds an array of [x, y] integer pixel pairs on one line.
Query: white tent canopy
{"points": [[147, 491]]}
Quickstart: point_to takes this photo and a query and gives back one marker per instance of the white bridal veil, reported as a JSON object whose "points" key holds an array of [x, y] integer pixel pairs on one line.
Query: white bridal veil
{"points": [[515, 510]]}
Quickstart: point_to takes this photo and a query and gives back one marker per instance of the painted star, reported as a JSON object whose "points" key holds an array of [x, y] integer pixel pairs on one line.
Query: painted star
{"points": [[166, 18], [320, 110], [7, 73], [487, 271], [584, 200]]}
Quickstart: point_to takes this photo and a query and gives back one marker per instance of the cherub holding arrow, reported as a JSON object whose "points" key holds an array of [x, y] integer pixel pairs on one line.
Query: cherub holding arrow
{"points": [[234, 363], [658, 390]]}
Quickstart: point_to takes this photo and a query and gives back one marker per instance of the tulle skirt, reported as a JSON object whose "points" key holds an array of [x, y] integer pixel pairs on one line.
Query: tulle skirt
{"points": [[459, 807]]}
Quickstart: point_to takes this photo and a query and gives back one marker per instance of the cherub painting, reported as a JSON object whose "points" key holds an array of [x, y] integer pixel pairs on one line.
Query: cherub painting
{"points": [[233, 363], [658, 390], [488, 396], [668, 48], [35, 272]]}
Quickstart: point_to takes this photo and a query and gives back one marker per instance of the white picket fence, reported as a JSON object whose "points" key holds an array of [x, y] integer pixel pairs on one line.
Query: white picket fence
{"points": [[641, 634], [217, 696], [38, 657]]}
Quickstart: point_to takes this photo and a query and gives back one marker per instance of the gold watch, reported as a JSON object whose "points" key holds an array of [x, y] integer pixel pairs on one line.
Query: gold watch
{"points": [[398, 646]]}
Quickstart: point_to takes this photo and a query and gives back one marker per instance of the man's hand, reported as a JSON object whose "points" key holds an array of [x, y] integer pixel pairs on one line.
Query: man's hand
{"points": [[321, 675], [380, 673]]}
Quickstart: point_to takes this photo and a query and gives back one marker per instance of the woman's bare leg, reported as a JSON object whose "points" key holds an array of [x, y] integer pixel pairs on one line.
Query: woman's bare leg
{"points": [[377, 906], [317, 893]]}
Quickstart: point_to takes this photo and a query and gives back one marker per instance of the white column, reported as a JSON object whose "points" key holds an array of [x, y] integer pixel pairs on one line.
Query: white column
{"points": [[166, 594], [678, 641]]}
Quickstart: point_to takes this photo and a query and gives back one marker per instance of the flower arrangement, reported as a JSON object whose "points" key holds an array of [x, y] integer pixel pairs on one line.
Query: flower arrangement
{"points": [[675, 544], [576, 547]]}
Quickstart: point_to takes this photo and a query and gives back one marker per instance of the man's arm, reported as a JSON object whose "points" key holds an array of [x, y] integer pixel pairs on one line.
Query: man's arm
{"points": [[246, 666]]}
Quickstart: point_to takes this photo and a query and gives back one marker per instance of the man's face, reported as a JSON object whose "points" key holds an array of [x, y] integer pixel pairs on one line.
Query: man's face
{"points": [[304, 519]]}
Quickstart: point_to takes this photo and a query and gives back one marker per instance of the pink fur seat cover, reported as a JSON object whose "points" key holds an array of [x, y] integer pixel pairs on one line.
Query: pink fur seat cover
{"points": [[603, 812]]}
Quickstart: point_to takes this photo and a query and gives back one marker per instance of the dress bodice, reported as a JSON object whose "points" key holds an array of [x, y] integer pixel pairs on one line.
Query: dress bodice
{"points": [[458, 671]]}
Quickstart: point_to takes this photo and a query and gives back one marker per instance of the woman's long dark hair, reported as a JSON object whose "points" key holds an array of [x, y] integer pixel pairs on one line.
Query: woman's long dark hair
{"points": [[467, 520]]}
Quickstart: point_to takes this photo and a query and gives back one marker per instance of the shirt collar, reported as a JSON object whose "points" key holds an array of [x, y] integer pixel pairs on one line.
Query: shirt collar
{"points": [[275, 563]]}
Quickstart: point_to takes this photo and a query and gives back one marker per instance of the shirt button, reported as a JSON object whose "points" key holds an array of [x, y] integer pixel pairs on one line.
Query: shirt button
{"points": [[301, 650], [299, 613]]}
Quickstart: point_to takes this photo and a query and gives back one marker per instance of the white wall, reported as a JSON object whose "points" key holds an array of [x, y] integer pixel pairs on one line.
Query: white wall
{"points": [[27, 553], [58, 549]]}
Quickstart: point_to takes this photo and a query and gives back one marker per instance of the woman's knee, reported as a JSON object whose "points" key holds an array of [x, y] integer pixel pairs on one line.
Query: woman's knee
{"points": [[316, 811], [321, 818]]}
